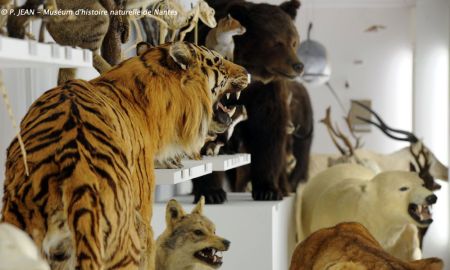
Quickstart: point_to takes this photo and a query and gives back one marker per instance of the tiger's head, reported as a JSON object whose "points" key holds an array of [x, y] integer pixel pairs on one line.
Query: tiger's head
{"points": [[223, 77], [197, 78]]}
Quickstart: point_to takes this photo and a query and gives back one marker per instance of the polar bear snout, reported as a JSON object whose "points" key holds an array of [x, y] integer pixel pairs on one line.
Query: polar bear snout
{"points": [[420, 212], [432, 199]]}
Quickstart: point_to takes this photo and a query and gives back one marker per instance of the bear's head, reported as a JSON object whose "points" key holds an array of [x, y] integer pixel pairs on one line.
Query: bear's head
{"points": [[268, 49], [402, 198]]}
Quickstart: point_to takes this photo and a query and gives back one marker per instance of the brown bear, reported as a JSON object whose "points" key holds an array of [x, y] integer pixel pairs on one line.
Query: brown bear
{"points": [[268, 51]]}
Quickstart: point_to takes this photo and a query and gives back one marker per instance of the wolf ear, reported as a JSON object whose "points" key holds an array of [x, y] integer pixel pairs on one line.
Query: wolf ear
{"points": [[174, 212], [291, 7], [181, 54], [198, 209], [142, 47]]}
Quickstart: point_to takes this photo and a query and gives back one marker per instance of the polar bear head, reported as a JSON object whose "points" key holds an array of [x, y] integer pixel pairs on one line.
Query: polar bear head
{"points": [[401, 197]]}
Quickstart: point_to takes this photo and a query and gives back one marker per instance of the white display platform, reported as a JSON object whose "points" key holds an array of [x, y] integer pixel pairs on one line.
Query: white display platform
{"points": [[262, 233], [19, 53], [196, 168], [191, 169], [228, 162]]}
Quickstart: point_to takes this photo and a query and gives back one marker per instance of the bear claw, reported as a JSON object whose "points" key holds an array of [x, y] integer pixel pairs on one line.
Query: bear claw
{"points": [[267, 195], [212, 197]]}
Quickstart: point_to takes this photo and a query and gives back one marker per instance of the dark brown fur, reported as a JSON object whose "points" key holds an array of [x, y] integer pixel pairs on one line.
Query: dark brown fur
{"points": [[268, 51]]}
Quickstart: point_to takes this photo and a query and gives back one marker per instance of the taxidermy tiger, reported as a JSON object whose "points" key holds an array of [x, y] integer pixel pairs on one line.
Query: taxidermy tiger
{"points": [[87, 201]]}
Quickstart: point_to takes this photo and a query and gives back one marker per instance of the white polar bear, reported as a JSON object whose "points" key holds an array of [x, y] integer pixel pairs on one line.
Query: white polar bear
{"points": [[387, 204]]}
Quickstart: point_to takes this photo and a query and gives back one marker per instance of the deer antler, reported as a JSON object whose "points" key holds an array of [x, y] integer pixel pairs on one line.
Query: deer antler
{"points": [[424, 168], [409, 137], [358, 143], [336, 133]]}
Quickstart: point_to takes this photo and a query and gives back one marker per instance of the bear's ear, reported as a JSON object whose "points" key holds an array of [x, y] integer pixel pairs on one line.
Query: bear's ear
{"points": [[199, 207], [240, 13], [174, 213], [181, 54], [290, 7], [142, 47]]}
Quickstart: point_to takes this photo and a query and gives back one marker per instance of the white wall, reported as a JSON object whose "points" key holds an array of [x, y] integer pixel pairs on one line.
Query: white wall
{"points": [[385, 77], [431, 98], [431, 103]]}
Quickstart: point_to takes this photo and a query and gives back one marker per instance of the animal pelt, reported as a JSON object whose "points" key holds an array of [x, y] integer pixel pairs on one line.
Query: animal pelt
{"points": [[84, 31], [18, 251], [300, 141], [214, 145], [186, 19], [16, 25], [220, 38], [189, 240], [350, 246], [87, 202], [4, 4], [118, 31], [386, 204], [268, 51]]}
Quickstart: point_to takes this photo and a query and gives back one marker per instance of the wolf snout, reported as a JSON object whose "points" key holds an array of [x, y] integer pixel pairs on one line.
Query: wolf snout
{"points": [[432, 199]]}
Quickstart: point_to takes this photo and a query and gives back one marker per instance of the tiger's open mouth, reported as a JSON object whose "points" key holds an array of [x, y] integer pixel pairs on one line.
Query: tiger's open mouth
{"points": [[226, 106], [420, 213], [211, 256]]}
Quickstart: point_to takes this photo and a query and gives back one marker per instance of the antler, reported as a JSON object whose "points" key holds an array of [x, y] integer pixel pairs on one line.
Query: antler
{"points": [[358, 143], [410, 137], [424, 169], [336, 133]]}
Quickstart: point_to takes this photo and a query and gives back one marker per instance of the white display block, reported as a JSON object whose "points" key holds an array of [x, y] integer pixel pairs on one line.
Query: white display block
{"points": [[228, 162], [262, 233], [192, 169], [20, 53]]}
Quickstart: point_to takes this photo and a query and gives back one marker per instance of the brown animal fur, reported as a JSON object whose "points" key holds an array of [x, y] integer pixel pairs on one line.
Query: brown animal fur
{"points": [[87, 202], [220, 38], [350, 246], [84, 31], [186, 237]]}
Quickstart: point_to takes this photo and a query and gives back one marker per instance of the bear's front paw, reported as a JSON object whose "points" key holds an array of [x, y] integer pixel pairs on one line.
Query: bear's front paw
{"points": [[267, 195], [218, 196]]}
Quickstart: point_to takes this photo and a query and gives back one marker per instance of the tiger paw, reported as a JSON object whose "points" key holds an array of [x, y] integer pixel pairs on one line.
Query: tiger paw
{"points": [[171, 163]]}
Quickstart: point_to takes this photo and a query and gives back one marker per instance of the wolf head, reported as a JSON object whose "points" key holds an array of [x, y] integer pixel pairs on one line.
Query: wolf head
{"points": [[189, 241]]}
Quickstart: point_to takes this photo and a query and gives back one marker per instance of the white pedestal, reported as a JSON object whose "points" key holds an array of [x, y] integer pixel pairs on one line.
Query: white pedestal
{"points": [[262, 234], [19, 53]]}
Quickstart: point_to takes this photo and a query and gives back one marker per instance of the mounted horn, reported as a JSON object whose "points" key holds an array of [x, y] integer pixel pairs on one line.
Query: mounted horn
{"points": [[409, 137]]}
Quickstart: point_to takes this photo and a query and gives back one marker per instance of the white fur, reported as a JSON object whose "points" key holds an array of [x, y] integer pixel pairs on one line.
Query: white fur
{"points": [[18, 251], [350, 192]]}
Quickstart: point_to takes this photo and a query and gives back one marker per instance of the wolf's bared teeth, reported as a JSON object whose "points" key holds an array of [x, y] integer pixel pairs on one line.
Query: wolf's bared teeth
{"points": [[228, 95], [249, 78], [238, 95]]}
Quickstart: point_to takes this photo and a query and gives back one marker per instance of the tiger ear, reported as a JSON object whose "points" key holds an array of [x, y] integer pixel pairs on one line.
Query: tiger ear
{"points": [[181, 54], [174, 213], [142, 47], [199, 207]]}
